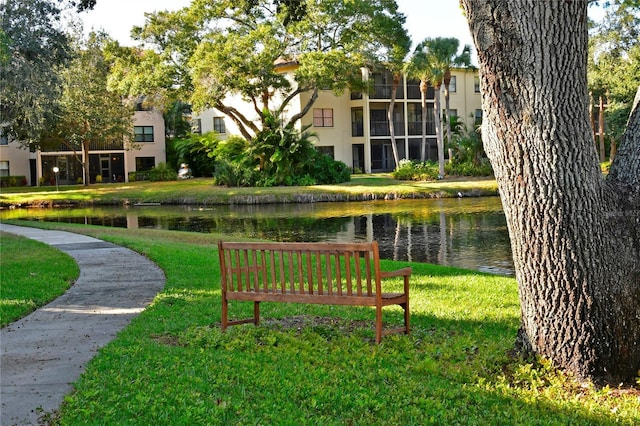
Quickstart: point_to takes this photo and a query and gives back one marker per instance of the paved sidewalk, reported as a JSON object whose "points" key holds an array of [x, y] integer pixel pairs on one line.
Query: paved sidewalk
{"points": [[43, 353]]}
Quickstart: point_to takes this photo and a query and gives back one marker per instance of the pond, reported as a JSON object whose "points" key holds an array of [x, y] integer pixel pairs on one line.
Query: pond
{"points": [[465, 232]]}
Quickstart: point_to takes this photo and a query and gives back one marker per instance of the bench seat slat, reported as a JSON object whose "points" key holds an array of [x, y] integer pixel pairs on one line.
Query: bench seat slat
{"points": [[326, 299]]}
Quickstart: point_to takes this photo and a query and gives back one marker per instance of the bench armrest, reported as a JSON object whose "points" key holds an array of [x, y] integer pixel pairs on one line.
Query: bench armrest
{"points": [[404, 272]]}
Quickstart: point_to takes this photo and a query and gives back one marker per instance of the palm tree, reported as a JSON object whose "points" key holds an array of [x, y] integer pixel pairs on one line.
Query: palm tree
{"points": [[449, 47], [432, 62], [394, 45], [395, 65], [425, 66]]}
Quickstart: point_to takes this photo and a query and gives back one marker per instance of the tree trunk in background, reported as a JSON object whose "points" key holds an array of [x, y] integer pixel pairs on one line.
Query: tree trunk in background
{"points": [[603, 155], [447, 81], [85, 164], [439, 137], [423, 115], [575, 237], [392, 125]]}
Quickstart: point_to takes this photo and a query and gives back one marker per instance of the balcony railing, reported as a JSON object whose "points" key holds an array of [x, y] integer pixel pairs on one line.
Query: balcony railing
{"points": [[383, 91], [415, 128], [381, 128], [413, 92]]}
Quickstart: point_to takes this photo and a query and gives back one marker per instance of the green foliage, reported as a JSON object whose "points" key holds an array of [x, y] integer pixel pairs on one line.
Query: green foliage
{"points": [[13, 181], [33, 46], [162, 172], [33, 274], [208, 59], [416, 170], [90, 114], [198, 152], [468, 168], [469, 158], [614, 65], [278, 155]]}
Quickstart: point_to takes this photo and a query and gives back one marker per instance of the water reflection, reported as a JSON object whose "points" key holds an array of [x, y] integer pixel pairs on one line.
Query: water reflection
{"points": [[469, 233]]}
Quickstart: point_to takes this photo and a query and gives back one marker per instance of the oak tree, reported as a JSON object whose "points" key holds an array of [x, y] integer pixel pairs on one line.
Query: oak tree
{"points": [[574, 234], [91, 116]]}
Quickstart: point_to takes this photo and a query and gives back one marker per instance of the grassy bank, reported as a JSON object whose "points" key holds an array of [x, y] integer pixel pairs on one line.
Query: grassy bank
{"points": [[31, 275], [203, 192], [317, 364]]}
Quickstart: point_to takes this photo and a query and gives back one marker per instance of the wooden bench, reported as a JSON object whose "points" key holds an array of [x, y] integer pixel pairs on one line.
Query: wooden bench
{"points": [[319, 273]]}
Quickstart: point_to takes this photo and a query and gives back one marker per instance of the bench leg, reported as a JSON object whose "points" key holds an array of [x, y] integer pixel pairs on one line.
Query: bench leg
{"points": [[405, 306], [225, 313], [256, 313], [378, 324]]}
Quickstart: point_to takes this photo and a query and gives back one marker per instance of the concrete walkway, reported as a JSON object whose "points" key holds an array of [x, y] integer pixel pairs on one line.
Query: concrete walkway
{"points": [[45, 352]]}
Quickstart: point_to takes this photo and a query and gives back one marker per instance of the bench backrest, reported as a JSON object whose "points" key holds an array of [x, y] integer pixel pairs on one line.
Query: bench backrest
{"points": [[332, 269]]}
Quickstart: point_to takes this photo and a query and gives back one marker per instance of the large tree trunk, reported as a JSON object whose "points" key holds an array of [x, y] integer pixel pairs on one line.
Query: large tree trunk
{"points": [[574, 236]]}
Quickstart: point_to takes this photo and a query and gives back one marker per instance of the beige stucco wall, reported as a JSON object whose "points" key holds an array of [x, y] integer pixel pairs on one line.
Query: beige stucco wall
{"points": [[19, 164], [156, 149], [18, 158], [465, 99]]}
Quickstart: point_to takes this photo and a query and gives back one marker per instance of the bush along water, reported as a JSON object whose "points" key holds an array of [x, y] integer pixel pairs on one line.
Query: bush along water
{"points": [[162, 172], [276, 156]]}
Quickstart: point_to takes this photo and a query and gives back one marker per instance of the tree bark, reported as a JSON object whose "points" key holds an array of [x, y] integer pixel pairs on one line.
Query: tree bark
{"points": [[392, 125], [423, 102], [574, 236], [603, 156], [439, 136]]}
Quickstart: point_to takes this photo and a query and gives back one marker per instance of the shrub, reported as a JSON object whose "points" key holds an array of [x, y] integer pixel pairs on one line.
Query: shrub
{"points": [[198, 151], [325, 170], [162, 172], [416, 170], [13, 181], [277, 156], [468, 168]]}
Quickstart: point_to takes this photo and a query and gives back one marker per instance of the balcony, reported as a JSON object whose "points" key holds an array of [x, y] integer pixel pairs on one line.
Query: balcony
{"points": [[381, 128], [383, 91]]}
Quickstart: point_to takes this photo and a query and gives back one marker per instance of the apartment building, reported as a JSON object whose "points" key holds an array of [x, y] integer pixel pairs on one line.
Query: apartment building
{"points": [[112, 163], [354, 128]]}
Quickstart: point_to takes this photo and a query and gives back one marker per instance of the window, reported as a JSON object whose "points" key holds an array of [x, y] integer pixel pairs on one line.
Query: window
{"points": [[476, 84], [478, 116], [4, 140], [143, 133], [357, 122], [452, 84], [218, 125], [323, 117], [196, 126], [145, 163], [4, 168], [326, 150]]}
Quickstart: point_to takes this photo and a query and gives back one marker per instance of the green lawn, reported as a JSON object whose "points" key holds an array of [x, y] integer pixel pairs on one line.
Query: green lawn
{"points": [[31, 274], [318, 364], [202, 192]]}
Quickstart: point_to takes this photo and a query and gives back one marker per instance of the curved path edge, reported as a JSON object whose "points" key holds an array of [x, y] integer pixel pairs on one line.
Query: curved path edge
{"points": [[42, 354]]}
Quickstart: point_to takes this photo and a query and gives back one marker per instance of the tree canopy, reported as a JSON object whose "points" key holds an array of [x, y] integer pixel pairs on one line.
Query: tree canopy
{"points": [[614, 65], [33, 47], [215, 49], [90, 115]]}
